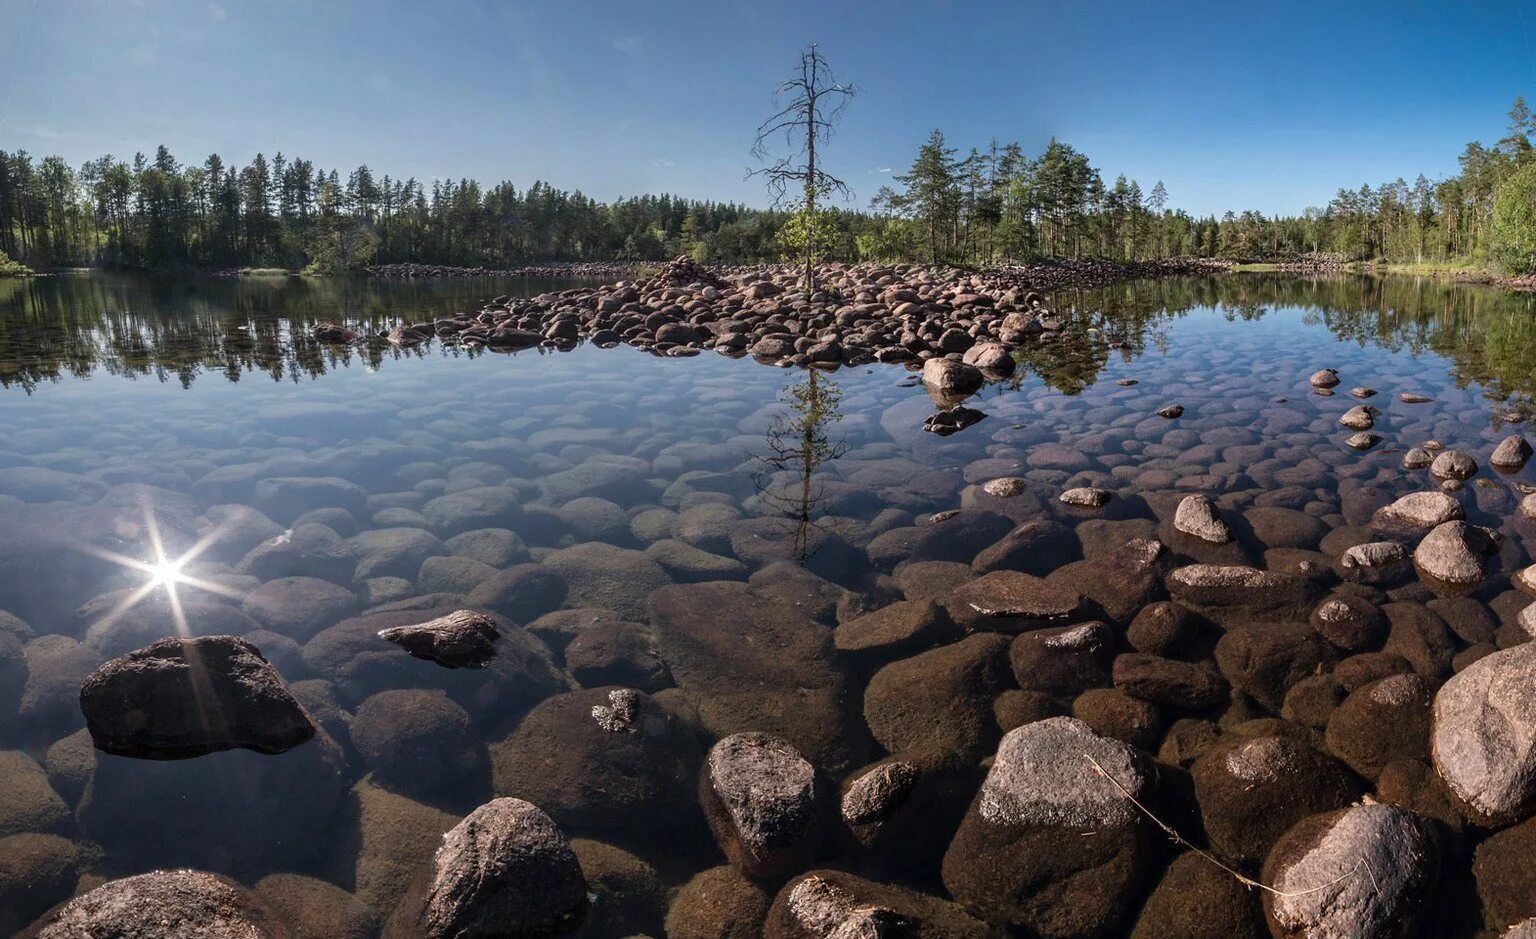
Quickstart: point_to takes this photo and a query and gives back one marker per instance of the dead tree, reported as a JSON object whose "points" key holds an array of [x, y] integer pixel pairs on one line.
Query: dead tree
{"points": [[811, 102]]}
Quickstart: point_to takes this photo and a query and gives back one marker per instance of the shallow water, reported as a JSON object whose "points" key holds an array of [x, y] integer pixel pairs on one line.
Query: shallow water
{"points": [[209, 390]]}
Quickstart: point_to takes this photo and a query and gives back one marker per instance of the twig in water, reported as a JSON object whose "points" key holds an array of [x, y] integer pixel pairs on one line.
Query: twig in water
{"points": [[1241, 878]]}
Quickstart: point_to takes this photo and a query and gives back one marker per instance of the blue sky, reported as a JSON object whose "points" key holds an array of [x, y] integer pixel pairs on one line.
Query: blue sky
{"points": [[1233, 104]]}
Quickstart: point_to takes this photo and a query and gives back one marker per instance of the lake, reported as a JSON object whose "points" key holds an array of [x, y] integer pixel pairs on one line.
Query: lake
{"points": [[675, 549]]}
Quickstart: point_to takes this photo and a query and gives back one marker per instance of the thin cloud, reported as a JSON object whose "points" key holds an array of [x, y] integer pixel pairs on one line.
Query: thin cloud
{"points": [[629, 45], [662, 162]]}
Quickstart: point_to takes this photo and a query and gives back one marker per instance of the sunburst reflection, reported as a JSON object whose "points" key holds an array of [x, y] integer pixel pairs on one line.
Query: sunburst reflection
{"points": [[163, 572]]}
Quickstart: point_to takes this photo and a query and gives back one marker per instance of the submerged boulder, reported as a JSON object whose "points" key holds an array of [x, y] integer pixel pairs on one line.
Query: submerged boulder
{"points": [[181, 698], [768, 808], [174, 904], [1052, 843], [1484, 736]]}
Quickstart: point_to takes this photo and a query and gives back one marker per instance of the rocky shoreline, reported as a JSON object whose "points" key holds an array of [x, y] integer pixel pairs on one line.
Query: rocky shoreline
{"points": [[413, 269]]}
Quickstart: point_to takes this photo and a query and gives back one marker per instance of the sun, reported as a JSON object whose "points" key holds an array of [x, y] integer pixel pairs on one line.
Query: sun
{"points": [[166, 572]]}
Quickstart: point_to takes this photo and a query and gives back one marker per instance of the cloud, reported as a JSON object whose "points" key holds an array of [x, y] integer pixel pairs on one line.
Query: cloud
{"points": [[629, 45], [881, 169], [663, 162]]}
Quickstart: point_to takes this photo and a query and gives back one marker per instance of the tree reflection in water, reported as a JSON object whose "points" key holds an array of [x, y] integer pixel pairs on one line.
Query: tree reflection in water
{"points": [[799, 442]]}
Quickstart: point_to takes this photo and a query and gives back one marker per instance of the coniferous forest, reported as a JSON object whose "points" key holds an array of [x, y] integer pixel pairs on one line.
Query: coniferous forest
{"points": [[990, 205]]}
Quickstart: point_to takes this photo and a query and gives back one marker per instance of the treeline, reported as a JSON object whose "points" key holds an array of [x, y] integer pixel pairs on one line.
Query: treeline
{"points": [[991, 206], [160, 213], [1485, 215]]}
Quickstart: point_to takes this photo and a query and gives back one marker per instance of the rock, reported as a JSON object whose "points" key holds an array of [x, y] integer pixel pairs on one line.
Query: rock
{"points": [[1166, 629], [170, 904], [626, 896], [1197, 516], [1484, 736], [766, 806], [155, 703], [1198, 900], [505, 870], [895, 630], [1171, 411], [1374, 554], [830, 904], [617, 654], [940, 702], [309, 550], [1252, 791], [27, 801], [1050, 843], [55, 667], [476, 508], [1011, 601], [1381, 723], [601, 575], [1452, 555], [461, 639], [416, 742], [522, 593], [951, 377], [1220, 592], [748, 665], [1324, 378], [1005, 487], [1349, 622], [1065, 660], [36, 871], [1112, 713], [1263, 660], [1506, 883], [1417, 458], [299, 607], [1359, 417], [1511, 453], [393, 552], [1085, 497], [1182, 686], [1453, 464], [719, 903], [1417, 513], [609, 763], [686, 564], [1411, 397], [1367, 870], [390, 845], [1035, 547], [1362, 441], [315, 909]]}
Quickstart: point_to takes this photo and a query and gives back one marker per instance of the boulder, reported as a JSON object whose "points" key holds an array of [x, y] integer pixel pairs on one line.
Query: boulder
{"points": [[165, 904], [461, 639], [1483, 739], [940, 702], [769, 810], [1197, 517], [1063, 660], [1369, 871], [1381, 723], [1051, 843], [416, 741], [1198, 900], [181, 698], [831, 904], [719, 903]]}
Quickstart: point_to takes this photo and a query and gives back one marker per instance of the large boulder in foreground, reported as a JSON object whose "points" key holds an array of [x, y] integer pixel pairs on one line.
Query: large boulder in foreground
{"points": [[1483, 738], [747, 664], [178, 904], [506, 870], [1367, 871], [768, 808], [181, 698], [1052, 843]]}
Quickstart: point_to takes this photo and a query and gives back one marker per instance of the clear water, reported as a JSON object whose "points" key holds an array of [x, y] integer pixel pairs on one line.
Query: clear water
{"points": [[120, 394]]}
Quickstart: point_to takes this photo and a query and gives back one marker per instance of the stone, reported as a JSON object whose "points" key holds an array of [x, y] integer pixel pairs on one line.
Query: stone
{"points": [[617, 654], [1453, 464], [170, 904], [1171, 411], [766, 806], [1382, 722], [1364, 440], [1182, 686], [155, 703], [749, 665], [1037, 547], [626, 896], [940, 702], [1375, 554], [951, 377], [610, 763], [1251, 791], [1506, 883], [522, 593], [1349, 623], [461, 639], [1417, 458], [1359, 417], [1367, 870], [36, 872], [612, 578], [1198, 900], [831, 904], [316, 909], [1483, 739], [894, 631], [1051, 843], [1064, 660], [1197, 517], [505, 870], [1452, 555], [718, 903], [1263, 660], [1324, 378], [28, 802], [299, 607], [1511, 453], [415, 741], [1418, 512], [1012, 601], [1086, 497]]}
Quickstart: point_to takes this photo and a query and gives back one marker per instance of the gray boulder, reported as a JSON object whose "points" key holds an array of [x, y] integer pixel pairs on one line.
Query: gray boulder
{"points": [[177, 904], [1483, 738], [766, 805]]}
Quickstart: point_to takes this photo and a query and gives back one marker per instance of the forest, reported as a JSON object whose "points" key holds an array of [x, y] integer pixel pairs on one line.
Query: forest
{"points": [[992, 205]]}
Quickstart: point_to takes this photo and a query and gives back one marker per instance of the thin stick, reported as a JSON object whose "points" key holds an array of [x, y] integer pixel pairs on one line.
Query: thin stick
{"points": [[1180, 839]]}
